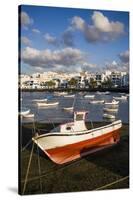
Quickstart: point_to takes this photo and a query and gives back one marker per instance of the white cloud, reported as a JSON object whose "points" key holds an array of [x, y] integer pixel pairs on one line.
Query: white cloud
{"points": [[35, 30], [124, 56], [78, 23], [122, 65], [68, 37], [67, 59], [25, 19], [50, 39], [103, 24], [114, 63], [26, 41], [101, 29]]}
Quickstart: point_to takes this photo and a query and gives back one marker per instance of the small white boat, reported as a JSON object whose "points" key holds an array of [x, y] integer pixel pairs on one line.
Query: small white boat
{"points": [[97, 101], [68, 108], [122, 93], [98, 92], [60, 93], [39, 100], [120, 98], [110, 109], [89, 96], [113, 102], [46, 104], [70, 95], [29, 115], [24, 112], [107, 92], [108, 116]]}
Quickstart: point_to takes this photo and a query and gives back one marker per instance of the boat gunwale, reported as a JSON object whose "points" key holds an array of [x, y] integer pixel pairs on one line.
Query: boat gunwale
{"points": [[83, 132]]}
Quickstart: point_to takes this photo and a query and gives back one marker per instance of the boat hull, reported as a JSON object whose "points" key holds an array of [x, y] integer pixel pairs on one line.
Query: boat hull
{"points": [[68, 153]]}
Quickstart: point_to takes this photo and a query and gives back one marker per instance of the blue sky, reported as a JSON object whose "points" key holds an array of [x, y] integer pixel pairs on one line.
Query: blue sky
{"points": [[66, 39]]}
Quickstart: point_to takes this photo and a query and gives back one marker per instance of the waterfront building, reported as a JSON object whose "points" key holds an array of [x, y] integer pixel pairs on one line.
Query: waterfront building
{"points": [[83, 79], [99, 78], [125, 80]]}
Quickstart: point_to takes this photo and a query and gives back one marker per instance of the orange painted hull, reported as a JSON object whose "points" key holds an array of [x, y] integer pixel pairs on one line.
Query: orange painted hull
{"points": [[67, 153]]}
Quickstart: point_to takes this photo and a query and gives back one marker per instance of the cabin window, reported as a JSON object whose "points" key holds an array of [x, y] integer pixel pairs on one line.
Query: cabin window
{"points": [[79, 117], [68, 128]]}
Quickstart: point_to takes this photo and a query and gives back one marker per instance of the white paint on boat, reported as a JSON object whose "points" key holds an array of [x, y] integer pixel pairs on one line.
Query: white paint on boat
{"points": [[108, 116], [24, 112], [97, 101], [89, 96], [39, 100], [110, 109], [43, 104], [113, 102], [29, 115]]}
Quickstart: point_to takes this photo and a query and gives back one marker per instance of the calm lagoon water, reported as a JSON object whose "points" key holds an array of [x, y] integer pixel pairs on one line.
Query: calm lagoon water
{"points": [[57, 114]]}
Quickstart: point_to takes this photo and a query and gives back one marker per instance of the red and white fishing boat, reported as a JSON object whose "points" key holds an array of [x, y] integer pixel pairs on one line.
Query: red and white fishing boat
{"points": [[74, 140]]}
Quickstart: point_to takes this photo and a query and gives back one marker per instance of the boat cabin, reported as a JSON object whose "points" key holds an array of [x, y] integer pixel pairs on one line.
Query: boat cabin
{"points": [[77, 125]]}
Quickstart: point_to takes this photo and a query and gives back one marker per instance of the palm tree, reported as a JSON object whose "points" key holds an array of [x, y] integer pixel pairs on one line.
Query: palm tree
{"points": [[92, 83], [72, 82], [50, 84]]}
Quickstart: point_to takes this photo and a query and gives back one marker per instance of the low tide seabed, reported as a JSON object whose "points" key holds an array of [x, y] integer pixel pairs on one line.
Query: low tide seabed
{"points": [[106, 169]]}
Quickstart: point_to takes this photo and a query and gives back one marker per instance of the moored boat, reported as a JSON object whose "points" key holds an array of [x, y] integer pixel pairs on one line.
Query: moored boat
{"points": [[108, 116], [110, 109], [74, 140], [69, 95], [107, 92], [68, 108], [97, 102], [47, 104], [60, 93], [24, 112], [89, 96], [30, 115], [113, 102], [39, 100], [120, 98]]}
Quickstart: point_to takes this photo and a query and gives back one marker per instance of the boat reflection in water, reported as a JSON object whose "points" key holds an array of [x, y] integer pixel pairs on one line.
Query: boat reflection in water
{"points": [[73, 140]]}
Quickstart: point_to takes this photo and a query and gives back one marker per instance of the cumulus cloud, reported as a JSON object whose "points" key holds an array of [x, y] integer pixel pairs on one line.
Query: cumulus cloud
{"points": [[26, 41], [101, 29], [124, 56], [51, 39], [68, 58], [68, 37], [25, 19], [103, 24], [35, 30], [122, 65], [112, 66], [78, 23]]}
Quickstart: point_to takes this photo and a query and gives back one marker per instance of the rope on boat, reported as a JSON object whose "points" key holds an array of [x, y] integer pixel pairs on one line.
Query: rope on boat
{"points": [[39, 168], [29, 142], [113, 183], [28, 168], [55, 169], [26, 146]]}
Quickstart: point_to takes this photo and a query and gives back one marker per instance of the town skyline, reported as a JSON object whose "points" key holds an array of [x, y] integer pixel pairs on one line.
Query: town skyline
{"points": [[73, 40]]}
